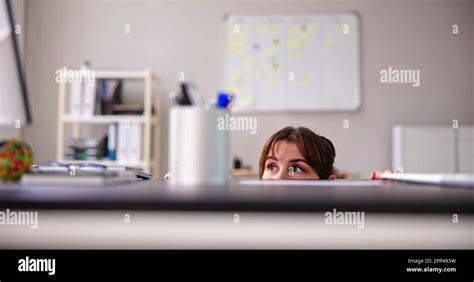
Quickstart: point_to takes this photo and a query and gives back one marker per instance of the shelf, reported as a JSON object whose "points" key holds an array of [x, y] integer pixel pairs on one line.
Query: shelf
{"points": [[70, 125], [107, 163], [106, 119]]}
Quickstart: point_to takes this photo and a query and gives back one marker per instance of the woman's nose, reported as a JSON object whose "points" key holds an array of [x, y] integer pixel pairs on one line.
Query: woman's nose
{"points": [[282, 174]]}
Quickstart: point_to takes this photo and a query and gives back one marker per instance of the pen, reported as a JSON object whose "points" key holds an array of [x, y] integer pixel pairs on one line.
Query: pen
{"points": [[223, 100], [185, 94]]}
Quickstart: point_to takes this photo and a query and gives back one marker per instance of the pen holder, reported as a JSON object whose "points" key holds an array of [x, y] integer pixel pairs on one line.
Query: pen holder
{"points": [[199, 150]]}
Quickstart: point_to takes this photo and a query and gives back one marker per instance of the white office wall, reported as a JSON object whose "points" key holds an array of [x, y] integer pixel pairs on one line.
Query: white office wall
{"points": [[431, 149], [187, 36], [425, 149], [12, 109]]}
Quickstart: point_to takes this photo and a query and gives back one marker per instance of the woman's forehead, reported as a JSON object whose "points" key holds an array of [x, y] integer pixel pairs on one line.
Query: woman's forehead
{"points": [[283, 150]]}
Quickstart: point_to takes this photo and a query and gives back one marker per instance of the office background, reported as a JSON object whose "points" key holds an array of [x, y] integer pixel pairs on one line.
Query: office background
{"points": [[188, 36]]}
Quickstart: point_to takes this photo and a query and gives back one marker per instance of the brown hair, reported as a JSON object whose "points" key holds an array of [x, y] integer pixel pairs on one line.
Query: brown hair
{"points": [[317, 150]]}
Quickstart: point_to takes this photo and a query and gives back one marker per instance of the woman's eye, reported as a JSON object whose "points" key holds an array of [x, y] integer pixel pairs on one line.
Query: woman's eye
{"points": [[273, 168], [294, 169]]}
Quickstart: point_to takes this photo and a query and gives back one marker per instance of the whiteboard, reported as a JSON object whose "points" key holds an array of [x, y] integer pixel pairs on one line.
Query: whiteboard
{"points": [[293, 62]]}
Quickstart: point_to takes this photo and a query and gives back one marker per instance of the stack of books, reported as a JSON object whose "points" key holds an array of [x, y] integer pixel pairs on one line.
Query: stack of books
{"points": [[84, 149]]}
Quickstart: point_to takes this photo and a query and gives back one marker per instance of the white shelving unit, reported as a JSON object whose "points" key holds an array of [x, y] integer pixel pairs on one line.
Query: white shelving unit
{"points": [[149, 163], [104, 119]]}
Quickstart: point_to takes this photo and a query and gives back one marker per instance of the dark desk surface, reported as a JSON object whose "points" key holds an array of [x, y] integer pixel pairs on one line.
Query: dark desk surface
{"points": [[370, 196]]}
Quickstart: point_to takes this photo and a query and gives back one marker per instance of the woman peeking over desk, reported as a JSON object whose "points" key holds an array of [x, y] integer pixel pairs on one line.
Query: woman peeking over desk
{"points": [[299, 153]]}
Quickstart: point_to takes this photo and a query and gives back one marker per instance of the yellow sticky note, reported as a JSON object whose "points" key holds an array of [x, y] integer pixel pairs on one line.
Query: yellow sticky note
{"points": [[273, 80], [294, 55], [303, 44], [269, 52], [274, 30], [237, 46], [292, 44], [314, 28], [307, 80], [249, 63], [340, 27], [275, 65], [294, 30], [329, 44]]}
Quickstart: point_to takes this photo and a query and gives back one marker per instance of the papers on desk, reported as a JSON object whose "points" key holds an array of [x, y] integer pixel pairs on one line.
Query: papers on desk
{"points": [[88, 174], [338, 182], [451, 179], [78, 180]]}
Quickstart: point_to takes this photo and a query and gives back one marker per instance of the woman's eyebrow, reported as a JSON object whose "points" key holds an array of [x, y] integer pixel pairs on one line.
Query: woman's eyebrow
{"points": [[298, 160], [271, 158]]}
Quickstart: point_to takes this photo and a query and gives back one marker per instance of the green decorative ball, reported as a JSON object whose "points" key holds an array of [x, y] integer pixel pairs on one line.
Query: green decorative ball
{"points": [[16, 158]]}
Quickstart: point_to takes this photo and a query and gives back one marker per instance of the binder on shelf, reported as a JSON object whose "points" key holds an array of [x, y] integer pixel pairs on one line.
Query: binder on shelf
{"points": [[129, 143], [89, 99], [135, 143], [82, 99], [75, 99], [122, 142], [109, 93]]}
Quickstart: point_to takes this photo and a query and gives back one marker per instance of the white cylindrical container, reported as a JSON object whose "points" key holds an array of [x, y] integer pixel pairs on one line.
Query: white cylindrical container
{"points": [[199, 150]]}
